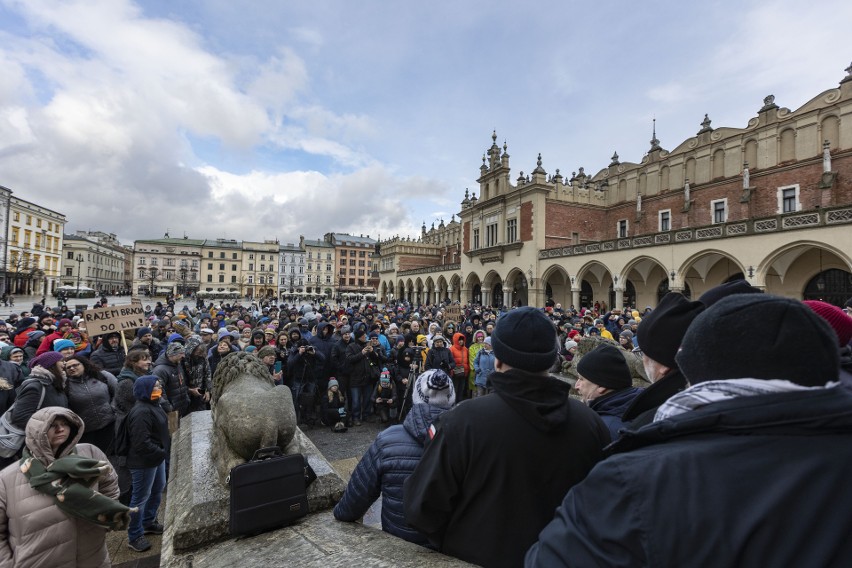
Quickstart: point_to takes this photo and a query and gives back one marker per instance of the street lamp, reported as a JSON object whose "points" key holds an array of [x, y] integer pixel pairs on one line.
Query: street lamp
{"points": [[79, 259]]}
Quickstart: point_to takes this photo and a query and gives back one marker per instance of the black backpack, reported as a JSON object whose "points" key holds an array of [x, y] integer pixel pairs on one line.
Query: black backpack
{"points": [[122, 437]]}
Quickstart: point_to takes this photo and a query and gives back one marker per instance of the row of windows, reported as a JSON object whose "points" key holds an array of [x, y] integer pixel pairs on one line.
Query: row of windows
{"points": [[319, 255], [491, 234], [16, 216], [343, 252], [788, 202]]}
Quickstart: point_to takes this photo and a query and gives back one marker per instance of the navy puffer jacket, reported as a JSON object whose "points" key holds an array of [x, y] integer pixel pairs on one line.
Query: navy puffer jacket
{"points": [[383, 470]]}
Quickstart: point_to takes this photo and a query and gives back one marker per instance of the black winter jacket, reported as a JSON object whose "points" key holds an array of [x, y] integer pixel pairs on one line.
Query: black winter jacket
{"points": [[760, 480], [441, 358], [174, 384], [364, 369], [91, 399], [388, 462], [499, 465], [641, 411], [111, 360], [29, 393], [338, 356], [148, 427]]}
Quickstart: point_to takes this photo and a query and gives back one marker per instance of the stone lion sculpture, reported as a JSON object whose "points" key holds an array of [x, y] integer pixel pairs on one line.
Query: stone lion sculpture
{"points": [[249, 412]]}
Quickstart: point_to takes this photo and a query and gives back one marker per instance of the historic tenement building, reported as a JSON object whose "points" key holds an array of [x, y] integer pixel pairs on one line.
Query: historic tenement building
{"points": [[770, 202]]}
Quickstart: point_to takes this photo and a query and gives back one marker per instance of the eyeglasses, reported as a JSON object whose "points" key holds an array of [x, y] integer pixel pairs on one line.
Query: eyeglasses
{"points": [[72, 366]]}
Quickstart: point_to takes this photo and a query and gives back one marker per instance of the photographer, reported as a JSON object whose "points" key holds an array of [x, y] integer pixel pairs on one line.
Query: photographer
{"points": [[439, 357], [364, 360], [302, 366], [386, 397]]}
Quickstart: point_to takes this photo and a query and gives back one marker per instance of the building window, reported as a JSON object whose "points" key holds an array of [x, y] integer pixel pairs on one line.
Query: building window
{"points": [[210, 254], [16, 216], [475, 239], [788, 199], [38, 223], [234, 267], [719, 208], [234, 256], [511, 230], [622, 229], [70, 272], [209, 266], [221, 266], [233, 279], [29, 219], [491, 235], [665, 220], [251, 266], [221, 254], [210, 278]]}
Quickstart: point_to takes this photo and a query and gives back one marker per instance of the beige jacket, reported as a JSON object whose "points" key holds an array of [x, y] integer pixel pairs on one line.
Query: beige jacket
{"points": [[35, 532]]}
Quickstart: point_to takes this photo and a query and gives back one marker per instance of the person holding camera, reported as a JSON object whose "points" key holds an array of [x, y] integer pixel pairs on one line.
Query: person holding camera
{"points": [[385, 397], [364, 360], [302, 366]]}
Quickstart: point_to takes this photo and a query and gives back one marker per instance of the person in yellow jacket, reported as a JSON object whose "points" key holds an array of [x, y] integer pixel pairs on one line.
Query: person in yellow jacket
{"points": [[478, 343]]}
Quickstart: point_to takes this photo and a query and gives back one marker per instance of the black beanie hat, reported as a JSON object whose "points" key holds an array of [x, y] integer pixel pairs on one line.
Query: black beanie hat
{"points": [[605, 366], [760, 336], [661, 331], [525, 339], [713, 295]]}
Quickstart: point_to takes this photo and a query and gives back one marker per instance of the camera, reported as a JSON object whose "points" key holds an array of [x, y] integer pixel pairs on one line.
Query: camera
{"points": [[310, 350]]}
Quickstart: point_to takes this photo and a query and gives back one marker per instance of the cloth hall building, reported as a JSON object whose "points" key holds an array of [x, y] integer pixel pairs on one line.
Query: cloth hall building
{"points": [[770, 203]]}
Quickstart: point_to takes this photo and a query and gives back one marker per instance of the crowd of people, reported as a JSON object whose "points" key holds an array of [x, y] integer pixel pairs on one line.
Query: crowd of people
{"points": [[559, 435]]}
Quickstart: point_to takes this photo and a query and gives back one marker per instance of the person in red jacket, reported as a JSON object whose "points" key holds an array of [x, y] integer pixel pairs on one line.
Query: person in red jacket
{"points": [[63, 327], [460, 355]]}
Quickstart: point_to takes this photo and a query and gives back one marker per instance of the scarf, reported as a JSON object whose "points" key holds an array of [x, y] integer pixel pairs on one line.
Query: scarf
{"points": [[709, 392], [69, 480]]}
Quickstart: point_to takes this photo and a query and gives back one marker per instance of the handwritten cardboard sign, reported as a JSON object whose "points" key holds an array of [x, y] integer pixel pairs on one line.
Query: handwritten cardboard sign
{"points": [[114, 318]]}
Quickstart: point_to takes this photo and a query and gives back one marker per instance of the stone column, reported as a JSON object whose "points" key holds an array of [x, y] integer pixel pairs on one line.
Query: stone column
{"points": [[619, 299], [575, 297], [507, 297]]}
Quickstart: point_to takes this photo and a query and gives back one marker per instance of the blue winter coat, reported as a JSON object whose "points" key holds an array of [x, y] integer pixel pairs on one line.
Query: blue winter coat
{"points": [[611, 408], [383, 470], [483, 365]]}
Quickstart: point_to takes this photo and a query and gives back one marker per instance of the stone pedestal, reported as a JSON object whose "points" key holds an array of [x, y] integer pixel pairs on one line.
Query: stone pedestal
{"points": [[197, 504], [196, 519]]}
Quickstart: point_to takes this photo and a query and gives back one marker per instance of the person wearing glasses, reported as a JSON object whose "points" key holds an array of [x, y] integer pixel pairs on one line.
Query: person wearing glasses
{"points": [[90, 395]]}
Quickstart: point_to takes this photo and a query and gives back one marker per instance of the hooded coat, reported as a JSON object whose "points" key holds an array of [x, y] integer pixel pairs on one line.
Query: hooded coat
{"points": [[383, 470], [33, 530], [173, 382], [490, 455]]}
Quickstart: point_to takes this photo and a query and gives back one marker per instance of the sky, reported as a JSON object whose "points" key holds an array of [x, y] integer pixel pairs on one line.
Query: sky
{"points": [[272, 119]]}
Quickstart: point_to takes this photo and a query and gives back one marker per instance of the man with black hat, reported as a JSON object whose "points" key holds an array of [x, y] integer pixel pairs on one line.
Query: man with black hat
{"points": [[754, 456], [659, 335], [497, 466], [606, 385]]}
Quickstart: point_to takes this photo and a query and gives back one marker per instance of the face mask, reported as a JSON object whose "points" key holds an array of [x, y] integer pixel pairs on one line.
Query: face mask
{"points": [[156, 394]]}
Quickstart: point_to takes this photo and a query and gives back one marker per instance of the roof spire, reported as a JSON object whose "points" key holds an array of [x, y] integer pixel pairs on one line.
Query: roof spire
{"points": [[655, 144]]}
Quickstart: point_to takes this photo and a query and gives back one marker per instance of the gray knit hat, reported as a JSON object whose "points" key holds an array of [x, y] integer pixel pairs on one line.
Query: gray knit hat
{"points": [[434, 388]]}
